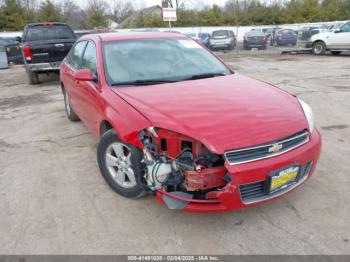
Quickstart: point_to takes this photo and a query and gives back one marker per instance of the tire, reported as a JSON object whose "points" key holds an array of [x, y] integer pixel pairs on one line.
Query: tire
{"points": [[318, 48], [71, 115], [33, 77], [120, 165], [335, 52]]}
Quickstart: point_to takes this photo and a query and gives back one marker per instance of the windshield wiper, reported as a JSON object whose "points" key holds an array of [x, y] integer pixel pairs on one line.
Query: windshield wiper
{"points": [[143, 82], [202, 76]]}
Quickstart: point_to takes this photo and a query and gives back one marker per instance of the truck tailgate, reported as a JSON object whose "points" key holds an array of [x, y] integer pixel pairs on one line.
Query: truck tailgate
{"points": [[50, 50]]}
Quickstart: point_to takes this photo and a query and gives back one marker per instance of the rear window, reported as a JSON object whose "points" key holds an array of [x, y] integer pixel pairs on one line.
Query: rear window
{"points": [[220, 34], [49, 32]]}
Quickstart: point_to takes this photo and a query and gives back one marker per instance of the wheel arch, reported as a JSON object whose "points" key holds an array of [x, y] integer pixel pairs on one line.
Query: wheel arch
{"points": [[126, 128], [105, 126], [124, 133], [319, 40]]}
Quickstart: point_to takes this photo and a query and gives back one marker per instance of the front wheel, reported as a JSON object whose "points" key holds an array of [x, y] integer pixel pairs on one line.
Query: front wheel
{"points": [[318, 48], [120, 165]]}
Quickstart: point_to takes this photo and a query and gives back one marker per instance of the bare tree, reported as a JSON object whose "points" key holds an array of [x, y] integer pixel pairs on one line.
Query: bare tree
{"points": [[96, 14], [74, 15], [122, 10]]}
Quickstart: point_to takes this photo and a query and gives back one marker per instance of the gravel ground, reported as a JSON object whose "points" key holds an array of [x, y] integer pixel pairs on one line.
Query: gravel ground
{"points": [[54, 201]]}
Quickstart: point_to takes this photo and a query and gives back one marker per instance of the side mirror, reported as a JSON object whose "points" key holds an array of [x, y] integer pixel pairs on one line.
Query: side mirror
{"points": [[338, 30], [84, 75], [18, 39]]}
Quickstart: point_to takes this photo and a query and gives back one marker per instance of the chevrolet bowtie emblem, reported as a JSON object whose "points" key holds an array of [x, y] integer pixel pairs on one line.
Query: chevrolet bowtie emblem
{"points": [[275, 148]]}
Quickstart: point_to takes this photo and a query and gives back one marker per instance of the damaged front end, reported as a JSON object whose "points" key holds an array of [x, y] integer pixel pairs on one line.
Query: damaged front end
{"points": [[182, 172]]}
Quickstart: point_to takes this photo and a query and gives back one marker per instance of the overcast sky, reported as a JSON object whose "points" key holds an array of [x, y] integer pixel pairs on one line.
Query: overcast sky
{"points": [[146, 3]]}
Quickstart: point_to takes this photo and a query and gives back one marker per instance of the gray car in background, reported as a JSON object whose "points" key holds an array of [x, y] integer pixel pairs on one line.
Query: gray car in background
{"points": [[222, 39], [255, 39]]}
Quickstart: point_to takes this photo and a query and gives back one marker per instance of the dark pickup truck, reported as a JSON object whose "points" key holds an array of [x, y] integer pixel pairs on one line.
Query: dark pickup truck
{"points": [[44, 47]]}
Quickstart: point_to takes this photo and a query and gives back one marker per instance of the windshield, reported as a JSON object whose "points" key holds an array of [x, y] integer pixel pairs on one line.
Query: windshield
{"points": [[158, 60]]}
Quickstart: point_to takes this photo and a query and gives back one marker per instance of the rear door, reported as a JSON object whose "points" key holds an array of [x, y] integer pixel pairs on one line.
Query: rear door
{"points": [[49, 42]]}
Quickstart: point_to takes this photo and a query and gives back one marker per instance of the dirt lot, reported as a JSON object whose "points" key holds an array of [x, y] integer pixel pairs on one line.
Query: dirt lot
{"points": [[54, 201]]}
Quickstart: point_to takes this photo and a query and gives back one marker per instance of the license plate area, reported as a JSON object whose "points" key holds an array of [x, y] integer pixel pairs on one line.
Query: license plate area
{"points": [[282, 178]]}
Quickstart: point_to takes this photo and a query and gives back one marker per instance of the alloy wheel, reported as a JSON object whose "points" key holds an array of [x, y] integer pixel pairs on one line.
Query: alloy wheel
{"points": [[118, 161]]}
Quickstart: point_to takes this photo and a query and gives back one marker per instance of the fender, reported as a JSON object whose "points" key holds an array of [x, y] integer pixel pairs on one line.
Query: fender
{"points": [[127, 129]]}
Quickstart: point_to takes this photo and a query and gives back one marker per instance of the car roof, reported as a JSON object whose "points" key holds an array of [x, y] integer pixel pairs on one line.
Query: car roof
{"points": [[45, 23], [108, 37]]}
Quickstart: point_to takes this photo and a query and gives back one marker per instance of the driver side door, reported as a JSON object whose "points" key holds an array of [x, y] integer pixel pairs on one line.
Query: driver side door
{"points": [[90, 91], [341, 39]]}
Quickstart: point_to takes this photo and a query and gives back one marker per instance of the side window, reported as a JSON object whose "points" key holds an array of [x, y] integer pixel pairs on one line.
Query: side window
{"points": [[346, 28], [89, 59], [74, 57]]}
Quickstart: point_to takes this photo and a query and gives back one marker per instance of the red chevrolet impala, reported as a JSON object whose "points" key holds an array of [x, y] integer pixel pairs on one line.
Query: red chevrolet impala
{"points": [[175, 121]]}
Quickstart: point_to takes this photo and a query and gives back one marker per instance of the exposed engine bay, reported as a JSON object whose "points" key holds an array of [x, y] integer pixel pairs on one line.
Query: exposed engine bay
{"points": [[180, 165]]}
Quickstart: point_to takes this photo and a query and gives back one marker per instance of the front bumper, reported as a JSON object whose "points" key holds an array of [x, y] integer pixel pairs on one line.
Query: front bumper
{"points": [[253, 45], [37, 67], [229, 198], [308, 44], [220, 45]]}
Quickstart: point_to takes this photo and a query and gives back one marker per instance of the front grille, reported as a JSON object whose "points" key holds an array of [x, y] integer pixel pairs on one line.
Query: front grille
{"points": [[263, 151], [260, 190], [251, 191]]}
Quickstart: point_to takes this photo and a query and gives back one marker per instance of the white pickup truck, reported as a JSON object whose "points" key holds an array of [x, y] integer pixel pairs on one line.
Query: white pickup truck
{"points": [[335, 41]]}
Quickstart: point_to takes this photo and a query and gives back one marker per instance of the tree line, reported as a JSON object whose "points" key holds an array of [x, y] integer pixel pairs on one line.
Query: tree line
{"points": [[15, 14]]}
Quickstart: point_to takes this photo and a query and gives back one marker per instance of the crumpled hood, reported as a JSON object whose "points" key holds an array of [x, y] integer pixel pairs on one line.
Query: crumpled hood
{"points": [[223, 113]]}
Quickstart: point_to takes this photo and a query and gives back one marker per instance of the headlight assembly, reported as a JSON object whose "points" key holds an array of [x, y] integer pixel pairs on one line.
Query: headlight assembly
{"points": [[308, 114]]}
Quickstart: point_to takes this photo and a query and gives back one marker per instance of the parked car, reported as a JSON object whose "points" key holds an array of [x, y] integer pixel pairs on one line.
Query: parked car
{"points": [[175, 121], [305, 33], [271, 33], [3, 58], [222, 39], [203, 38], [13, 49], [286, 37], [255, 39], [44, 47], [334, 41]]}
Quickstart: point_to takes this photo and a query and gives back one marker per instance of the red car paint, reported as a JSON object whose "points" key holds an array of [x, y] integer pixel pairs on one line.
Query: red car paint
{"points": [[222, 113]]}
